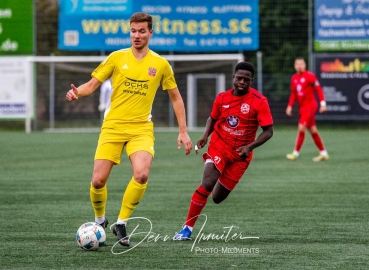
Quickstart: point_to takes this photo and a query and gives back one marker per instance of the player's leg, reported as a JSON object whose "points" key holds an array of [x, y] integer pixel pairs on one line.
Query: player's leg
{"points": [[199, 199], [141, 163], [323, 154], [220, 193], [141, 152], [230, 177], [301, 130], [201, 194], [98, 190], [107, 154]]}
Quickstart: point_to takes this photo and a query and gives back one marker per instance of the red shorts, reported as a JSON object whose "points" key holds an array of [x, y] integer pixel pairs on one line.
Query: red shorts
{"points": [[307, 116], [228, 163]]}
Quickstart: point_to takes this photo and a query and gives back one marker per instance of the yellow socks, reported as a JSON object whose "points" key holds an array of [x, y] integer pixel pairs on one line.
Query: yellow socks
{"points": [[98, 200], [132, 196]]}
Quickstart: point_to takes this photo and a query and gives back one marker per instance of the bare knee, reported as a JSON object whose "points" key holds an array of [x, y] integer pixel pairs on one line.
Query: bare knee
{"points": [[217, 200], [101, 173], [141, 177], [301, 128], [220, 193], [208, 183], [98, 180]]}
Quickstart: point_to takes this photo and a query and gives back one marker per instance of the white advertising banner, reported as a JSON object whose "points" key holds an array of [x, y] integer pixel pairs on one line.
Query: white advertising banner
{"points": [[16, 88]]}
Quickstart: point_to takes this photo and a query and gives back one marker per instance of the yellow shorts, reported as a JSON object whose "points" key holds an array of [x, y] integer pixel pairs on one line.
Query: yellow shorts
{"points": [[135, 137]]}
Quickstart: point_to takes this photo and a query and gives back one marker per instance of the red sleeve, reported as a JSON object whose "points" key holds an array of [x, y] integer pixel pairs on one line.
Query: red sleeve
{"points": [[215, 112], [292, 98], [264, 114], [317, 87]]}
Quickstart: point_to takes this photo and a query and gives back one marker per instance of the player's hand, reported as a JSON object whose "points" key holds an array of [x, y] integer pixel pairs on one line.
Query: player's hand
{"points": [[201, 143], [244, 151], [72, 93], [289, 110], [186, 141], [322, 109]]}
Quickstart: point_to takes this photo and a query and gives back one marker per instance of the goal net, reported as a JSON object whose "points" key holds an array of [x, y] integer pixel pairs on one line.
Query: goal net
{"points": [[199, 79]]}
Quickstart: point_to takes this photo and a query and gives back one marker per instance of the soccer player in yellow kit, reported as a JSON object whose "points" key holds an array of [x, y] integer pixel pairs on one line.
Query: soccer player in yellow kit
{"points": [[136, 74]]}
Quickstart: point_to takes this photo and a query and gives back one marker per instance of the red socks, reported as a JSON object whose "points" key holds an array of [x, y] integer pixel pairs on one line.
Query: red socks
{"points": [[318, 141], [300, 140], [198, 201]]}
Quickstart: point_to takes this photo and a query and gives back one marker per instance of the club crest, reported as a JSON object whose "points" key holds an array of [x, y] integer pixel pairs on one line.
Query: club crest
{"points": [[245, 108], [232, 121], [152, 71]]}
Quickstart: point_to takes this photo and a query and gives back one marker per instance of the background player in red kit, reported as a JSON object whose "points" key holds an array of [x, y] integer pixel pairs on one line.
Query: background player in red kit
{"points": [[304, 84], [236, 115]]}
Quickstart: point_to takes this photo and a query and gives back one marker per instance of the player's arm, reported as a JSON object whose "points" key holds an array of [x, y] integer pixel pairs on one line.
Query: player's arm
{"points": [[265, 135], [83, 90], [291, 100], [180, 112], [318, 89], [209, 128]]}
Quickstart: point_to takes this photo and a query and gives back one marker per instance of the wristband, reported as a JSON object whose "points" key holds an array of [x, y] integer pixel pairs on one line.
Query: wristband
{"points": [[323, 103]]}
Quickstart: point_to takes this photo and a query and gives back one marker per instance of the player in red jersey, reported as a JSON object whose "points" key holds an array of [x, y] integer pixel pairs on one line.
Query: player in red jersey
{"points": [[304, 84], [236, 115]]}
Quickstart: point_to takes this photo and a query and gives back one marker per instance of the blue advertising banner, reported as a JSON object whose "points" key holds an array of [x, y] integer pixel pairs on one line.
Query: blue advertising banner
{"points": [[341, 25], [191, 26]]}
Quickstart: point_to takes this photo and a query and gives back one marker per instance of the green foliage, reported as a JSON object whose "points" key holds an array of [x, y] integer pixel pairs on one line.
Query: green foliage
{"points": [[283, 37], [46, 27]]}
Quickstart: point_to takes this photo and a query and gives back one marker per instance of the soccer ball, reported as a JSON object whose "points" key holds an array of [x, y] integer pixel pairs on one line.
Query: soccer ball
{"points": [[90, 236]]}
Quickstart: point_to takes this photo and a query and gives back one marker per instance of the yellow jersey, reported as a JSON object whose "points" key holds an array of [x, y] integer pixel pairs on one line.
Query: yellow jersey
{"points": [[134, 85]]}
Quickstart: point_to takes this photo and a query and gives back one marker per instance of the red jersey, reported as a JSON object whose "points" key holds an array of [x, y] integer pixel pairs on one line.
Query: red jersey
{"points": [[238, 117], [303, 87]]}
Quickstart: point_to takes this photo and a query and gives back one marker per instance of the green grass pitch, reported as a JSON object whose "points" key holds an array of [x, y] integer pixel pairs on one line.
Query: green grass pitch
{"points": [[307, 215]]}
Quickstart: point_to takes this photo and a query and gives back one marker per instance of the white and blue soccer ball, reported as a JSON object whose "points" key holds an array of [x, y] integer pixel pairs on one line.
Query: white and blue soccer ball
{"points": [[90, 236]]}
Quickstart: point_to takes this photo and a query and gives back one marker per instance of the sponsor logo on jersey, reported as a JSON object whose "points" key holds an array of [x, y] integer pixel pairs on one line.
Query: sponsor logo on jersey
{"points": [[125, 66], [302, 80], [232, 121], [133, 84], [152, 72], [236, 132], [245, 108], [225, 106], [136, 87]]}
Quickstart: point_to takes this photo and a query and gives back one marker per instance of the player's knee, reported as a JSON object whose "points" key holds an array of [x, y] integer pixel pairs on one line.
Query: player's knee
{"points": [[209, 181], [141, 177], [217, 200], [98, 181], [99, 178], [208, 185]]}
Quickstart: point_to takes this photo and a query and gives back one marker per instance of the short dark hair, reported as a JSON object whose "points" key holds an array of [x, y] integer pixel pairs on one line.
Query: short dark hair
{"points": [[141, 17], [245, 66], [299, 58]]}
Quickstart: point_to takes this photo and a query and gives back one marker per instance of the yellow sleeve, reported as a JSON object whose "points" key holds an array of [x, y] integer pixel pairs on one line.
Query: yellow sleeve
{"points": [[168, 81], [105, 69]]}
